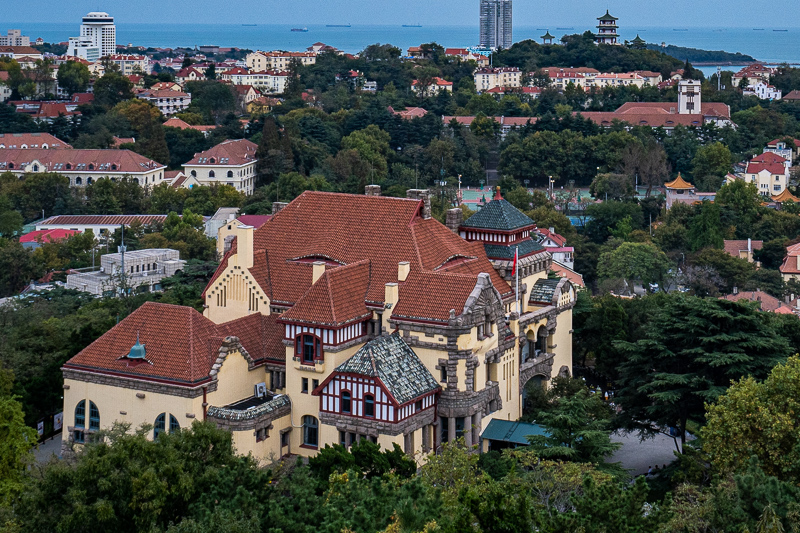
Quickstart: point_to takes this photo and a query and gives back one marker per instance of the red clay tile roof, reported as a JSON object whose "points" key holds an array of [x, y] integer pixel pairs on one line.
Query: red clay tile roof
{"points": [[772, 168], [102, 161], [175, 122], [48, 235], [555, 237], [346, 229], [768, 157], [181, 345], [229, 152], [765, 301], [336, 299], [31, 140], [734, 247], [789, 265], [429, 296], [566, 272]]}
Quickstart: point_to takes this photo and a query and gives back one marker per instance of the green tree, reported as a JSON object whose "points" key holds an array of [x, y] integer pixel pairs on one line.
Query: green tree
{"points": [[16, 442], [634, 262], [710, 165], [705, 228], [145, 119], [692, 349], [73, 77], [111, 89], [743, 201], [615, 186]]}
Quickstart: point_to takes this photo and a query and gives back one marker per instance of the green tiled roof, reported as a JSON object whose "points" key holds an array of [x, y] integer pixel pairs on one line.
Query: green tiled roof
{"points": [[499, 251], [392, 361], [543, 291], [508, 431], [498, 215]]}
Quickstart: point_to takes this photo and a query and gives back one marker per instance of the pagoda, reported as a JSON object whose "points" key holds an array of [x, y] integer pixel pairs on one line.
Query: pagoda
{"points": [[547, 38], [638, 43], [607, 30]]}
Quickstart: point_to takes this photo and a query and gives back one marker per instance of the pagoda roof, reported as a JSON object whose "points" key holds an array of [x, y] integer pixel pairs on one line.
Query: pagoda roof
{"points": [[785, 196], [500, 215], [607, 16], [639, 39], [547, 35], [679, 183]]}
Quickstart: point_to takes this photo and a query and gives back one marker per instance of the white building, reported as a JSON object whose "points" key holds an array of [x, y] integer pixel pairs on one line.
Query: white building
{"points": [[232, 162], [167, 101], [134, 272], [491, 77], [98, 37], [83, 167], [129, 65], [763, 91], [14, 38], [278, 60], [267, 81], [689, 99]]}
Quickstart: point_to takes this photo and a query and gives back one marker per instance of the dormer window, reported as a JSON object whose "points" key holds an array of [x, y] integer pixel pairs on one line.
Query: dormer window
{"points": [[91, 166]]}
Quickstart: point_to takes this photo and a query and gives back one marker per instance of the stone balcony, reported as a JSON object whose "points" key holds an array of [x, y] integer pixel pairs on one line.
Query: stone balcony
{"points": [[250, 413]]}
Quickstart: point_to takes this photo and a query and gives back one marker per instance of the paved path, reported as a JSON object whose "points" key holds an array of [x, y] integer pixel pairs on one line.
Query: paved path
{"points": [[637, 456], [47, 449]]}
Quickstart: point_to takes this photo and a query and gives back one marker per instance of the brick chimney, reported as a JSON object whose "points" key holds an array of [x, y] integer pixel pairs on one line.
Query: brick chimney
{"points": [[454, 218], [425, 196], [277, 206], [372, 190]]}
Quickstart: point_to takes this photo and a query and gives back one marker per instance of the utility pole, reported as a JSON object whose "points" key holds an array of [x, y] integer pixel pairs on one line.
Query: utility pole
{"points": [[122, 252]]}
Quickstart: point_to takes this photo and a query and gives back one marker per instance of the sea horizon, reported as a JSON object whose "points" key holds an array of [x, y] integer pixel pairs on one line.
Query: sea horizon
{"points": [[771, 44]]}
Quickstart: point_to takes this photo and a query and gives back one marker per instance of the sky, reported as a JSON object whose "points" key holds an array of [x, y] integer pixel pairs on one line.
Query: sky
{"points": [[683, 13]]}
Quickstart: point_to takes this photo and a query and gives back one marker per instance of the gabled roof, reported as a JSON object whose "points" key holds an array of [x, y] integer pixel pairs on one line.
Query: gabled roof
{"points": [[75, 160], [395, 364], [766, 302], [48, 235], [429, 296], [500, 215], [565, 272], [769, 158], [31, 140], [555, 237], [772, 168], [679, 183], [336, 299], [260, 335], [733, 247], [101, 220]]}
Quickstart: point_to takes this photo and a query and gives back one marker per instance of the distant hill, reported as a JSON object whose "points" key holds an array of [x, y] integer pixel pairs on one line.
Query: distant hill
{"points": [[695, 55]]}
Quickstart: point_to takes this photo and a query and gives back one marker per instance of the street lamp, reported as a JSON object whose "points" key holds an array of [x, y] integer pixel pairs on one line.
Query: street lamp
{"points": [[551, 186], [526, 184]]}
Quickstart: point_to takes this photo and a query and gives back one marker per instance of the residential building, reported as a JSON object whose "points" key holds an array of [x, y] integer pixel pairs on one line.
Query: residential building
{"points": [[166, 86], [179, 180], [47, 111], [437, 84], [175, 122], [20, 53], [98, 37], [743, 249], [624, 79], [167, 101], [231, 162], [101, 225], [466, 54], [792, 96], [681, 191], [189, 74], [131, 272], [496, 26], [790, 268], [754, 72], [766, 302], [491, 77], [278, 60], [533, 92], [245, 94], [130, 64], [14, 38], [770, 173], [267, 81], [5, 90], [649, 77], [789, 151], [689, 111], [83, 167], [762, 90], [607, 30], [409, 113], [557, 246], [31, 140], [262, 105], [35, 239], [345, 317], [222, 216]]}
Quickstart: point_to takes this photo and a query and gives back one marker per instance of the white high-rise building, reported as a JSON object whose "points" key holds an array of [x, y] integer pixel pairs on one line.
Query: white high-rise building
{"points": [[98, 37], [496, 24], [689, 99]]}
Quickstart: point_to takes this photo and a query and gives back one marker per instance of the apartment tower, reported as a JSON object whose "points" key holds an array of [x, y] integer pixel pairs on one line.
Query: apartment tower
{"points": [[98, 37], [496, 21]]}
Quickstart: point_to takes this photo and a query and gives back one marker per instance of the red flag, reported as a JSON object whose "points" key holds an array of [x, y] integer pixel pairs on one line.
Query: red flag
{"points": [[516, 254]]}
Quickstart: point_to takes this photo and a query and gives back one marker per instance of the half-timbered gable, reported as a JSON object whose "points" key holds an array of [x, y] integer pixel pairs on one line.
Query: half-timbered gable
{"points": [[384, 382]]}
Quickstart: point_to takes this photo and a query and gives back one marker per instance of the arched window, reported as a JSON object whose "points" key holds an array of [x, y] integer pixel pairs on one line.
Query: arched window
{"points": [[113, 166], [307, 348], [160, 425], [94, 417], [91, 166], [346, 402], [36, 168], [173, 424], [69, 166], [310, 431], [80, 422], [369, 405], [212, 160], [136, 181], [211, 174], [78, 181], [89, 181], [230, 173]]}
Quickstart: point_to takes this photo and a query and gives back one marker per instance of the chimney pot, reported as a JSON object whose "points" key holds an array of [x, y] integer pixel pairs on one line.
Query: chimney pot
{"points": [[372, 190], [403, 269], [318, 269], [277, 206]]}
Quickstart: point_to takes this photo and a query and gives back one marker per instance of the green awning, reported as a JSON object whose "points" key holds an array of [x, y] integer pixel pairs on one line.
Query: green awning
{"points": [[514, 432]]}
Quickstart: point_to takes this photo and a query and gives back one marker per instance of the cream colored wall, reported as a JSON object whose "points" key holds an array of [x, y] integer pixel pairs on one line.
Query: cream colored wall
{"points": [[235, 381], [563, 341], [265, 451], [113, 401], [529, 282]]}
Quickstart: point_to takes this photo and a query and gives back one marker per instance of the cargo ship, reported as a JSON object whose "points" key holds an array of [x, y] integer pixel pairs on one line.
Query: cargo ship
{"points": [[337, 25], [299, 29]]}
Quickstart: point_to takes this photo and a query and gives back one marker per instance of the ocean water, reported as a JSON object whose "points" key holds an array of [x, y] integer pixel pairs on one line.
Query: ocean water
{"points": [[763, 43]]}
